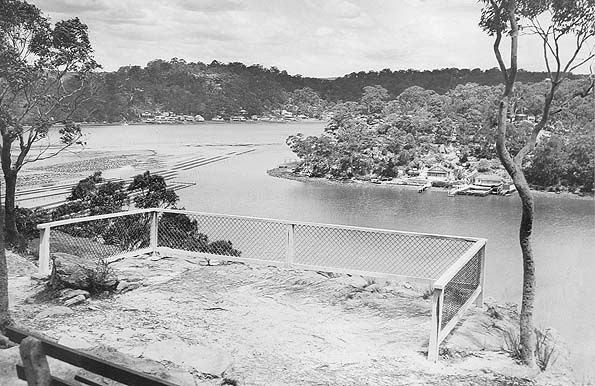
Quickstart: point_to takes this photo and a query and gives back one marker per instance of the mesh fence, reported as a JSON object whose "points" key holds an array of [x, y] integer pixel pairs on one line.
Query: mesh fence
{"points": [[376, 251], [316, 245], [460, 288], [220, 235], [102, 238]]}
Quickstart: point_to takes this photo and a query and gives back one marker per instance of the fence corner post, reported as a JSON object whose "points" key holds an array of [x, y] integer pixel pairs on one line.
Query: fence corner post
{"points": [[44, 252], [482, 273], [37, 370], [290, 250], [154, 232], [434, 345]]}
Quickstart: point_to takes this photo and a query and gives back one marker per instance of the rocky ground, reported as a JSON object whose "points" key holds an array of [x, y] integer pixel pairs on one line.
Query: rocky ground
{"points": [[212, 325]]}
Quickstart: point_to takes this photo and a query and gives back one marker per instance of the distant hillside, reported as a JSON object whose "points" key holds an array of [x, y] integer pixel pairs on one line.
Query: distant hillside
{"points": [[225, 89]]}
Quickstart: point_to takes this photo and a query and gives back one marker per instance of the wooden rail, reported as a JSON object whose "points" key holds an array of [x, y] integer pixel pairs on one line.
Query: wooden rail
{"points": [[35, 349]]}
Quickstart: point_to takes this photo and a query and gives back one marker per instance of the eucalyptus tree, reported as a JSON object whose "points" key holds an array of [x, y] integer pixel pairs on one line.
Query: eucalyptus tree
{"points": [[43, 71], [555, 22]]}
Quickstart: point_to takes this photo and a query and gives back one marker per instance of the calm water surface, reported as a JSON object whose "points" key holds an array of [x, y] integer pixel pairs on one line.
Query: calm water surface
{"points": [[564, 235]]}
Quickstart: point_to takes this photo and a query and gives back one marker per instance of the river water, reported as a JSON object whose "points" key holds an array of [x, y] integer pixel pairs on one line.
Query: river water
{"points": [[564, 234]]}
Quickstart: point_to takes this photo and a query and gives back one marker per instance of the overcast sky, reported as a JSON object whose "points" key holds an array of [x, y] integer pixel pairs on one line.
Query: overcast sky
{"points": [[321, 38]]}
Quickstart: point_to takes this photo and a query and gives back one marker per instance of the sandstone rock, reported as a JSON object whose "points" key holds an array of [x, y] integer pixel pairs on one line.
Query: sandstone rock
{"points": [[165, 371], [353, 281], [70, 293], [71, 271], [125, 286], [54, 311], [201, 358], [374, 287], [75, 300]]}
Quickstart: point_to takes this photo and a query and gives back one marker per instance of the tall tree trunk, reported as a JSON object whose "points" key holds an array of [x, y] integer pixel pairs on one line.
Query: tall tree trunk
{"points": [[10, 225], [10, 178], [527, 330], [4, 315]]}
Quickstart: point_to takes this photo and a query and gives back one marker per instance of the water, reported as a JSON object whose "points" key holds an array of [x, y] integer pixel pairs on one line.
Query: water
{"points": [[564, 235]]}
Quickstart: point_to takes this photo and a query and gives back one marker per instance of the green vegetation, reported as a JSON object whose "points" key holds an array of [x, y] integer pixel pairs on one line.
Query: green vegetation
{"points": [[378, 137], [227, 89], [94, 195]]}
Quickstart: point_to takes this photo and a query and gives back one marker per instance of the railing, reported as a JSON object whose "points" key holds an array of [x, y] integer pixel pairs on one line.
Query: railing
{"points": [[454, 266]]}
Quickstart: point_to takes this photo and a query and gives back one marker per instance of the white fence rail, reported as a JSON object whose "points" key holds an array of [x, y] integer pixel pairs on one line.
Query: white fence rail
{"points": [[453, 265]]}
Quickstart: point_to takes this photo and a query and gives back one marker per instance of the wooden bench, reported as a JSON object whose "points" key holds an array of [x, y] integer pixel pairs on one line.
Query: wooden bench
{"points": [[35, 370]]}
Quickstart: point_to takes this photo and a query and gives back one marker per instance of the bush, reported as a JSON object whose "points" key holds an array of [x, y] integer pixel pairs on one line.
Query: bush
{"points": [[178, 231], [128, 232], [27, 220], [545, 347], [102, 278], [483, 165]]}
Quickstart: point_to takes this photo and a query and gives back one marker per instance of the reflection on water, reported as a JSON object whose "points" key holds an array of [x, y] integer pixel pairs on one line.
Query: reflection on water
{"points": [[564, 233]]}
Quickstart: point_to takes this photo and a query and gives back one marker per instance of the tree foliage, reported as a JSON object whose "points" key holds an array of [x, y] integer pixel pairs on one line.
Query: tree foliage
{"points": [[359, 142], [43, 71], [95, 195]]}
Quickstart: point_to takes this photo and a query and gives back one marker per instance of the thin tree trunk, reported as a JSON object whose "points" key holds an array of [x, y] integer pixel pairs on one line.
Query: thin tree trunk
{"points": [[10, 178], [11, 231], [4, 314], [527, 330]]}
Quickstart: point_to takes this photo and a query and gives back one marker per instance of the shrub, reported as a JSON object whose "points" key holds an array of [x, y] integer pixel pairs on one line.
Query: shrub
{"points": [[27, 220], [102, 278], [178, 231], [128, 232], [512, 342], [545, 348]]}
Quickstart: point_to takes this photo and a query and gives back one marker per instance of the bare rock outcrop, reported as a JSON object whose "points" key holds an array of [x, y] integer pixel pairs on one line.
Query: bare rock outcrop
{"points": [[70, 271]]}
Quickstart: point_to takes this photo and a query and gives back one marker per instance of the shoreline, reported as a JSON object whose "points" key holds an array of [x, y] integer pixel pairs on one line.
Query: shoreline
{"points": [[282, 172]]}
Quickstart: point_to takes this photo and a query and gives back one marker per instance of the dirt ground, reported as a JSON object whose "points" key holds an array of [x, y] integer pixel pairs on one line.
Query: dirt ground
{"points": [[213, 325]]}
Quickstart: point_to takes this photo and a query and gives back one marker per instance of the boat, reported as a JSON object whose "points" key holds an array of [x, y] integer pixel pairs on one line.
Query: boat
{"points": [[425, 187], [453, 192]]}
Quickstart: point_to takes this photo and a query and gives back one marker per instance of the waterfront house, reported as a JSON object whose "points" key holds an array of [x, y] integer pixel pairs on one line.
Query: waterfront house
{"points": [[439, 173]]}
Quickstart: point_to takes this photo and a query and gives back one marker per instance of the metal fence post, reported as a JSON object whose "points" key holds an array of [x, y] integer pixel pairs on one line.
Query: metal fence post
{"points": [[436, 324], [290, 250], [482, 273], [154, 232], [44, 251]]}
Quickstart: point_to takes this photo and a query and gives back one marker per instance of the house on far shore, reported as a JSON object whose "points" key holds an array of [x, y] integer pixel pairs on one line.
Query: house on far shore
{"points": [[439, 173], [488, 180]]}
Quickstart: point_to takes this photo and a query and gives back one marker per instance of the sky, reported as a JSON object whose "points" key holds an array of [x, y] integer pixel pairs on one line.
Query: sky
{"points": [[318, 38]]}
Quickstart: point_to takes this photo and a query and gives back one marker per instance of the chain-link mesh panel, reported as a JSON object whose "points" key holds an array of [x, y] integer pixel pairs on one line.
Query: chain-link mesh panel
{"points": [[220, 235], [376, 251], [460, 288], [104, 238]]}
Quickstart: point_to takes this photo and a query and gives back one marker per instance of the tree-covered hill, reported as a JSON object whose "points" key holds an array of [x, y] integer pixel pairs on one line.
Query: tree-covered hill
{"points": [[226, 89]]}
